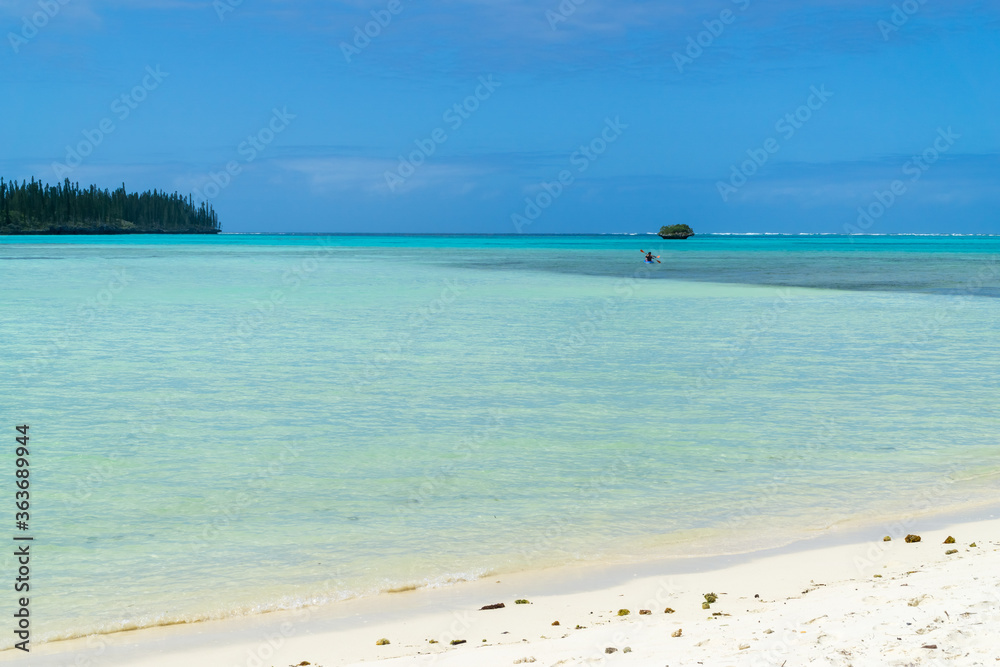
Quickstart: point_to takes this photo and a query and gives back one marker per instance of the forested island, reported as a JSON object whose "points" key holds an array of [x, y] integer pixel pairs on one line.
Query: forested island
{"points": [[675, 232], [37, 208]]}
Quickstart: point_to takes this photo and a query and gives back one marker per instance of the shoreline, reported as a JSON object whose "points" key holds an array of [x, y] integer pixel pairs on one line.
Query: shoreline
{"points": [[692, 551], [408, 619]]}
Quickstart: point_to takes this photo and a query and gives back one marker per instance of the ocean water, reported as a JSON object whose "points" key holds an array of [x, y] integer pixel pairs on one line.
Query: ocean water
{"points": [[229, 425]]}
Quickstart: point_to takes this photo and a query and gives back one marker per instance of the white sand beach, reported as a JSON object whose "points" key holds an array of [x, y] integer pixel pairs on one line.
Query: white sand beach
{"points": [[865, 603]]}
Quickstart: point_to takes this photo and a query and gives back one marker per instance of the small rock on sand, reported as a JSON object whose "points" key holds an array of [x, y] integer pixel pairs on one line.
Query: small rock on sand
{"points": [[912, 538], [677, 633]]}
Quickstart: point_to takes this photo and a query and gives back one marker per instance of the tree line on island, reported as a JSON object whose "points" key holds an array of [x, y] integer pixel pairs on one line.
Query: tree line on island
{"points": [[675, 232], [31, 207]]}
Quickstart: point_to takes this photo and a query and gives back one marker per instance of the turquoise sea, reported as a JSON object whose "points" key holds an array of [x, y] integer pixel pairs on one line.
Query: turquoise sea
{"points": [[234, 424]]}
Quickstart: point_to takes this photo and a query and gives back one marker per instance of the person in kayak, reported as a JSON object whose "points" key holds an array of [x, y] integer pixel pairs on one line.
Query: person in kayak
{"points": [[650, 258]]}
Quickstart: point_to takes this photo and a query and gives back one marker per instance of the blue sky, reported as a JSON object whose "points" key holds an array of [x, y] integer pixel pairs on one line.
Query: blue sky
{"points": [[728, 115]]}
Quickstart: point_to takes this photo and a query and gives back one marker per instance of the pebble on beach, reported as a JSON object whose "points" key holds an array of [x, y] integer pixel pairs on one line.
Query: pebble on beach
{"points": [[677, 633], [382, 642], [949, 540], [668, 610], [645, 612], [624, 612], [912, 538]]}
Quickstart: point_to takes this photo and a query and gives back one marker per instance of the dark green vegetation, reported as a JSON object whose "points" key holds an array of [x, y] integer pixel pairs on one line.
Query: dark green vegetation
{"points": [[676, 232], [35, 208]]}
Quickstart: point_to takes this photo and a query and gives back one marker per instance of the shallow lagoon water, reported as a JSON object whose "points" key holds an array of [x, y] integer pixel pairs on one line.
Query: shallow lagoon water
{"points": [[225, 425]]}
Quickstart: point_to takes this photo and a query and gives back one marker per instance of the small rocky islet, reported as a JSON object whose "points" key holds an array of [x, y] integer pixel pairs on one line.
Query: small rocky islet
{"points": [[675, 232]]}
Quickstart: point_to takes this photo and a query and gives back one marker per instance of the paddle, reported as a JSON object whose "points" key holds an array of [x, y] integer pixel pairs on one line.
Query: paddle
{"points": [[657, 257]]}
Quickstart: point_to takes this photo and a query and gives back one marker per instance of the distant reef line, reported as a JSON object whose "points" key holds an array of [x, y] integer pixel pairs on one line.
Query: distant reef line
{"points": [[32, 207]]}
